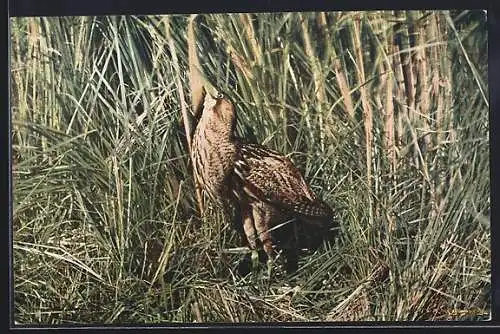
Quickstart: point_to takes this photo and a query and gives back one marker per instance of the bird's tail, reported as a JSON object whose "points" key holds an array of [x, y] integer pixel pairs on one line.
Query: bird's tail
{"points": [[313, 230], [314, 209]]}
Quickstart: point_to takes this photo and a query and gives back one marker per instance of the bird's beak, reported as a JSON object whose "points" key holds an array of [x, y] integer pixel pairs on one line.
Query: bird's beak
{"points": [[209, 101], [209, 98]]}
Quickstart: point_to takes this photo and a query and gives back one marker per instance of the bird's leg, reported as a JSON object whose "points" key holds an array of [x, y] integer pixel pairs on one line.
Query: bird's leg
{"points": [[292, 261], [291, 253], [249, 228], [262, 217], [269, 267], [255, 258], [230, 214]]}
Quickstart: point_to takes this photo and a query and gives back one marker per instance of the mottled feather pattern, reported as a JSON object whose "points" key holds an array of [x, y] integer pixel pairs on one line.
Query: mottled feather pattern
{"points": [[270, 176], [213, 157]]}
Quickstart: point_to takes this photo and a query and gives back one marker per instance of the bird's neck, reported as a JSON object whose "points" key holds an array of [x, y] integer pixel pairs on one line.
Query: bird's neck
{"points": [[222, 133]]}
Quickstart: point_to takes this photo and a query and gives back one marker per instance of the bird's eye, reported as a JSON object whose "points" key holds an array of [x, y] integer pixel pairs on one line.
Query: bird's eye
{"points": [[220, 96]]}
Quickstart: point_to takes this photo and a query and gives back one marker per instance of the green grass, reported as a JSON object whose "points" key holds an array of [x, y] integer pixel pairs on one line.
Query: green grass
{"points": [[106, 225]]}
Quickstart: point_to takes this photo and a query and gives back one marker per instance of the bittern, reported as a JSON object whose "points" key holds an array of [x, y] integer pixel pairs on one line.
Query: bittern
{"points": [[277, 207]]}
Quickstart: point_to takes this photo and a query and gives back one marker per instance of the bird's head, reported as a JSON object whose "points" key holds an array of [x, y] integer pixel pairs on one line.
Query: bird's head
{"points": [[219, 111]]}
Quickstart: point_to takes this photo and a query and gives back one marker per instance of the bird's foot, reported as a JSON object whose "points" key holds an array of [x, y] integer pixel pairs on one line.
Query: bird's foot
{"points": [[269, 267], [255, 259]]}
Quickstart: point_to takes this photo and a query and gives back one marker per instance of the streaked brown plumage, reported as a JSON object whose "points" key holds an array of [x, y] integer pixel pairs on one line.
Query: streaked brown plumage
{"points": [[214, 150], [277, 207]]}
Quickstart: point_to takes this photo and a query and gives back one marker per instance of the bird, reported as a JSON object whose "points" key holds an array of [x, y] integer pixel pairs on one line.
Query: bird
{"points": [[276, 209], [214, 150]]}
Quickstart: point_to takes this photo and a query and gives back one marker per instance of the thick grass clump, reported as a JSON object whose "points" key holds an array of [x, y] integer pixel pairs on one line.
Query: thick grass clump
{"points": [[386, 114]]}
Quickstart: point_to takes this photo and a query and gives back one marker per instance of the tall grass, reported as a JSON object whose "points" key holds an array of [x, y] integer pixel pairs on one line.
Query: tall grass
{"points": [[386, 114]]}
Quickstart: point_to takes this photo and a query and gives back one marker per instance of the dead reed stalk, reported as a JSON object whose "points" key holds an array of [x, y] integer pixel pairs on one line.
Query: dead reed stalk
{"points": [[367, 110], [195, 86]]}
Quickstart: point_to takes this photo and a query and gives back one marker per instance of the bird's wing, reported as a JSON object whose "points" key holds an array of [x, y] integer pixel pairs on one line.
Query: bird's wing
{"points": [[269, 176]]}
